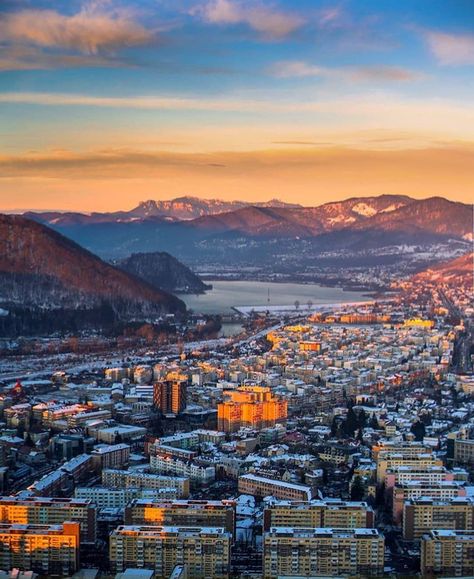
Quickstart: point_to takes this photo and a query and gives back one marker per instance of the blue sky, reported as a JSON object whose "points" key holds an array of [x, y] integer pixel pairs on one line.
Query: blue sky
{"points": [[105, 102]]}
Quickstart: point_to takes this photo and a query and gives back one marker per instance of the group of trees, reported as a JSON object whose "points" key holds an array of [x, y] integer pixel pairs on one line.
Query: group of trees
{"points": [[355, 421]]}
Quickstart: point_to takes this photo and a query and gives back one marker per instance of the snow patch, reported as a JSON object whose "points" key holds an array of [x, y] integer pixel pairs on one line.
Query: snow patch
{"points": [[340, 218], [364, 209], [392, 207]]}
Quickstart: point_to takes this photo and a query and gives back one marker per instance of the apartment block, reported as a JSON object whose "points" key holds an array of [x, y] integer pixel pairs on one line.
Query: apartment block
{"points": [[198, 474], [331, 513], [450, 553], [50, 511], [204, 551], [111, 456], [250, 406], [129, 479], [328, 552], [45, 549], [259, 486], [444, 490], [422, 515], [106, 498], [182, 513]]}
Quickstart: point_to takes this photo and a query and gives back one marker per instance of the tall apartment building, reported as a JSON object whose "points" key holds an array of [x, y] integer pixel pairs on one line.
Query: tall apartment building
{"points": [[442, 491], [170, 396], [422, 515], [449, 553], [198, 474], [259, 486], [329, 513], [182, 513], [204, 551], [120, 479], [50, 511], [250, 406], [328, 552], [45, 549]]}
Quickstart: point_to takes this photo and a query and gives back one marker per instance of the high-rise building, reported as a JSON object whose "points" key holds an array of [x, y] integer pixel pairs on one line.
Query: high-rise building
{"points": [[250, 406], [205, 551], [50, 511], [448, 553], [329, 552], [182, 513], [422, 515], [332, 513], [45, 549], [169, 396]]}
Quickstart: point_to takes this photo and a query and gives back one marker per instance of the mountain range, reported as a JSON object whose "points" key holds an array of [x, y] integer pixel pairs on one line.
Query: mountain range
{"points": [[245, 231], [49, 282]]}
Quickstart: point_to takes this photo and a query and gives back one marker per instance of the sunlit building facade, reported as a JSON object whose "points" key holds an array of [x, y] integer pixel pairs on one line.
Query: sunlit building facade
{"points": [[250, 406]]}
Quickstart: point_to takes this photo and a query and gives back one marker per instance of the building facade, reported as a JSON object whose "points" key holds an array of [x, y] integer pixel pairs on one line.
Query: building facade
{"points": [[205, 551], [328, 552]]}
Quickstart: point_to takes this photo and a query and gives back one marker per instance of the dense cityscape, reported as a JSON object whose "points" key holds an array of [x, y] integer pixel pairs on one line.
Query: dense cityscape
{"points": [[236, 289], [332, 442]]}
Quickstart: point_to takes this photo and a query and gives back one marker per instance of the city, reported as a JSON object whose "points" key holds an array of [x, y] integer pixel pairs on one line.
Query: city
{"points": [[338, 444], [236, 289]]}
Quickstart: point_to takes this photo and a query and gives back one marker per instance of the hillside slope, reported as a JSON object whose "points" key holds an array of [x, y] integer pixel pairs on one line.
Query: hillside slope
{"points": [[43, 271], [163, 271]]}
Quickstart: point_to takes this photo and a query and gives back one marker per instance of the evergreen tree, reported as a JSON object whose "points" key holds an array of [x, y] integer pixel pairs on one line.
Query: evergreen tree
{"points": [[357, 489], [419, 430], [351, 424], [374, 423]]}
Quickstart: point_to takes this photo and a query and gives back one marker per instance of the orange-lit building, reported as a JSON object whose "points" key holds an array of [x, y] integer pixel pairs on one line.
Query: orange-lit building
{"points": [[250, 406], [182, 513], [169, 396], [50, 550], [310, 346]]}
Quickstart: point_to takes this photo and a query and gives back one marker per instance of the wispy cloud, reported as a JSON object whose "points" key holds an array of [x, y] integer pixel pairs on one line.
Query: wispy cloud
{"points": [[297, 69], [302, 69], [451, 49], [34, 58], [90, 31], [270, 22], [41, 39]]}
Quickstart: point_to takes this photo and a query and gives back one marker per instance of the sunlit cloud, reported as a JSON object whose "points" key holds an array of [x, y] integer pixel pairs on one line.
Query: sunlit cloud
{"points": [[302, 69], [268, 21], [89, 31], [451, 49]]}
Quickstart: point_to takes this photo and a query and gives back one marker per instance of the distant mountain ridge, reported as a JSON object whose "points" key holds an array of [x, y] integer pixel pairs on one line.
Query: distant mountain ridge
{"points": [[180, 208], [42, 271], [368, 223]]}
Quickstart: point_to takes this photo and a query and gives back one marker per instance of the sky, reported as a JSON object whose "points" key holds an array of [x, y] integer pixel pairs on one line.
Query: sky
{"points": [[105, 103]]}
